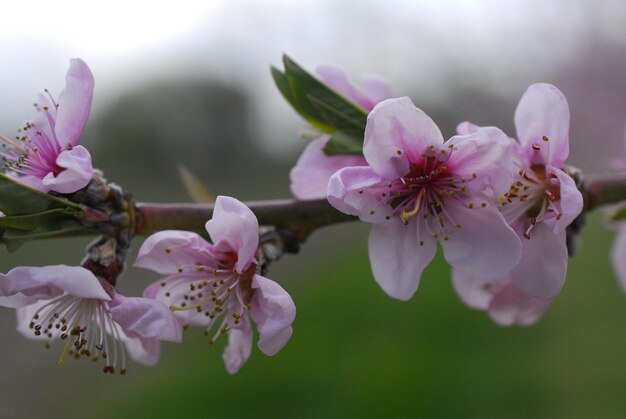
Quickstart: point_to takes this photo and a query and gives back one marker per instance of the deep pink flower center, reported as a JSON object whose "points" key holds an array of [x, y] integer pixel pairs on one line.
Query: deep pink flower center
{"points": [[430, 186], [534, 196], [426, 188], [214, 291], [35, 150]]}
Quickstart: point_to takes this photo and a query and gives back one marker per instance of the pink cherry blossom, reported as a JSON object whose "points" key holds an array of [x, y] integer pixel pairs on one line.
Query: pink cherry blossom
{"points": [[505, 303], [542, 200], [70, 303], [418, 190], [618, 252], [216, 285], [618, 255], [46, 155], [310, 175]]}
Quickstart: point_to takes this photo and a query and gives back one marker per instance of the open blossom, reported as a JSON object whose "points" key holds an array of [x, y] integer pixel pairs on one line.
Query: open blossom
{"points": [[71, 304], [418, 190], [542, 200], [46, 155], [216, 285], [505, 303], [618, 252], [618, 255], [310, 175]]}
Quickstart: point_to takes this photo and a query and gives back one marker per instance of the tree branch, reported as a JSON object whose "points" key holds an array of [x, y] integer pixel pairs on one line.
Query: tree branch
{"points": [[300, 217], [601, 190]]}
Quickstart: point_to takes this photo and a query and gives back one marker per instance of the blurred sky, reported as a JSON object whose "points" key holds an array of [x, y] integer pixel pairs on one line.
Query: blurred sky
{"points": [[429, 49]]}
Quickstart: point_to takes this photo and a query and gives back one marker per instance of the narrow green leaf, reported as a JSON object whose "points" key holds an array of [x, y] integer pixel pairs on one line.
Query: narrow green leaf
{"points": [[32, 221], [336, 117], [19, 199], [198, 192], [14, 238], [283, 85], [618, 213], [344, 142]]}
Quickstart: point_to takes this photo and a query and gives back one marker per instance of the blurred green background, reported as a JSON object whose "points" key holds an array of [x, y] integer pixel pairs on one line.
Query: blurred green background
{"points": [[357, 353], [204, 98]]}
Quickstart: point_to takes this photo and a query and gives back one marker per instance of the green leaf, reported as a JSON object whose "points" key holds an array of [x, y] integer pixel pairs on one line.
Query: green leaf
{"points": [[14, 238], [344, 142], [31, 221], [305, 86], [282, 83], [19, 199], [332, 112], [30, 214], [320, 105]]}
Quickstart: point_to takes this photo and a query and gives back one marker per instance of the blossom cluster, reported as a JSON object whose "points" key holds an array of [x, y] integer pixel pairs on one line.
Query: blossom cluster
{"points": [[216, 285], [498, 206]]}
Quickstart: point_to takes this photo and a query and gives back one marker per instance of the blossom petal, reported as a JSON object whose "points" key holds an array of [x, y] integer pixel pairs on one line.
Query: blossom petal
{"points": [[74, 103], [144, 351], [145, 318], [466, 127], [484, 246], [172, 291], [487, 153], [273, 311], [239, 346], [234, 228], [166, 251], [77, 172], [543, 267], [397, 258], [510, 306], [475, 293], [543, 111], [618, 256], [355, 191], [570, 202], [26, 285], [337, 79], [375, 88], [30, 181], [396, 125], [310, 175]]}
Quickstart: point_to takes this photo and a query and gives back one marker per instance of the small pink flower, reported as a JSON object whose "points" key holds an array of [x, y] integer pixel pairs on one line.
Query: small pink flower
{"points": [[310, 175], [46, 155], [506, 304], [618, 255], [418, 190], [618, 252], [72, 304], [542, 200], [216, 285]]}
